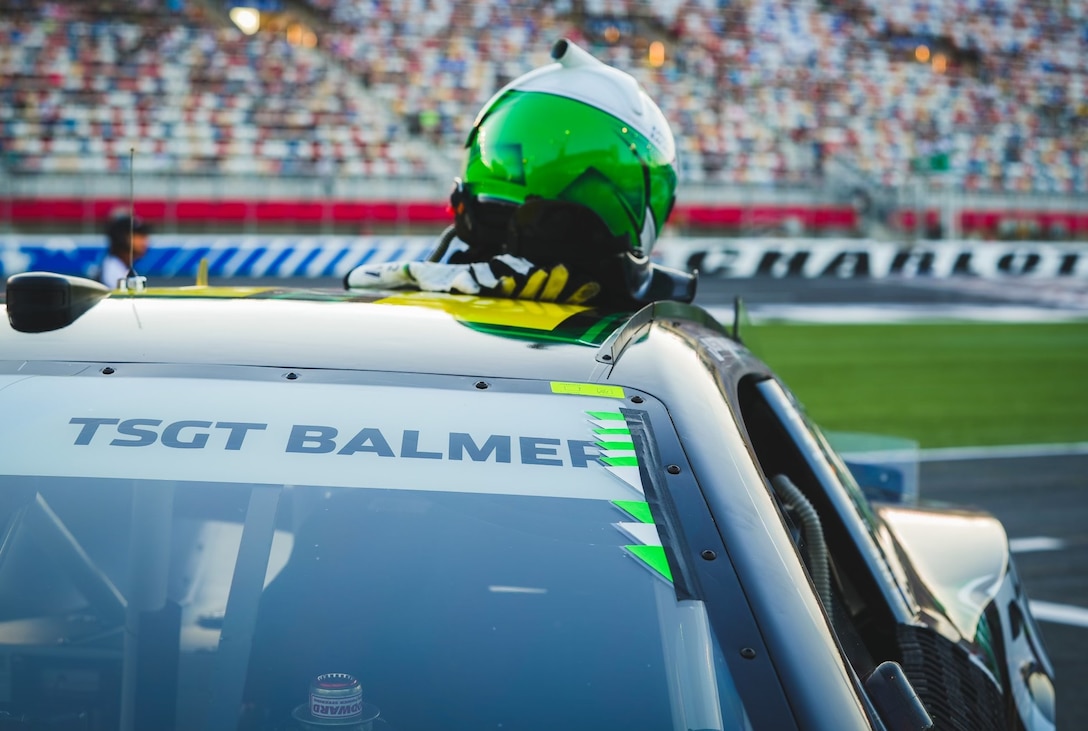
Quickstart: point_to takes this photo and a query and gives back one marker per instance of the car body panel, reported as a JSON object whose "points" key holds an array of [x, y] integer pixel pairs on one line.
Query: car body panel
{"points": [[960, 563], [221, 429], [796, 630], [961, 557], [294, 387], [278, 328]]}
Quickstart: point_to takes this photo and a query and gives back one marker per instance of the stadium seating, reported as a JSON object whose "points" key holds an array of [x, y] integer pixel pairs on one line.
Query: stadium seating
{"points": [[764, 92], [81, 87], [988, 95]]}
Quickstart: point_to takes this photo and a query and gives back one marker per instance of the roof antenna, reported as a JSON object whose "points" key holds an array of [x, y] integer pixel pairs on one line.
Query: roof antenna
{"points": [[132, 282]]}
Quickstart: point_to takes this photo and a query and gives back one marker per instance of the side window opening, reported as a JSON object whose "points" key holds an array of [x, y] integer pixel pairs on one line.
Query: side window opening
{"points": [[863, 600], [865, 628]]}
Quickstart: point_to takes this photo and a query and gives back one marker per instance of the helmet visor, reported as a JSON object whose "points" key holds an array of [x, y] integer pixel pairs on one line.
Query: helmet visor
{"points": [[539, 145]]}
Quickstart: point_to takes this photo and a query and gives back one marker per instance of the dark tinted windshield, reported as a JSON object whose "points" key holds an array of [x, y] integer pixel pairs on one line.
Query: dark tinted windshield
{"points": [[495, 600], [452, 610]]}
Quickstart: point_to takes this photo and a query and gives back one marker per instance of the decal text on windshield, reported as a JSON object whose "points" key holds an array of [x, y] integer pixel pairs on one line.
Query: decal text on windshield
{"points": [[324, 439]]}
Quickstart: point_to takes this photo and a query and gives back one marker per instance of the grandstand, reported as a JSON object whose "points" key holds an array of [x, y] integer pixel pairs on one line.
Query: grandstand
{"points": [[809, 116]]}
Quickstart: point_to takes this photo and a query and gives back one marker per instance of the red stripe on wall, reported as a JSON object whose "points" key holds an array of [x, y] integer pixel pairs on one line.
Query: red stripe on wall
{"points": [[239, 211]]}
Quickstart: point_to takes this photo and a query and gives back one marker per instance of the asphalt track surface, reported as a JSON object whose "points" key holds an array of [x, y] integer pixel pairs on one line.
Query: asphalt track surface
{"points": [[1040, 495], [1041, 501]]}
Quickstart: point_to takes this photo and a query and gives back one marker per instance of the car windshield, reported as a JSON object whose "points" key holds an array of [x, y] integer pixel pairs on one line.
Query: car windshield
{"points": [[436, 574]]}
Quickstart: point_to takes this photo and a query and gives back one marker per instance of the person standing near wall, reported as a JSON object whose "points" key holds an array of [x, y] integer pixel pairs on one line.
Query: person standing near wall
{"points": [[127, 238]]}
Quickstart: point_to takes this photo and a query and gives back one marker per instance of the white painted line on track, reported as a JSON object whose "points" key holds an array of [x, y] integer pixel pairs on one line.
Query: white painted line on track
{"points": [[1059, 613], [949, 454], [855, 314], [1035, 544]]}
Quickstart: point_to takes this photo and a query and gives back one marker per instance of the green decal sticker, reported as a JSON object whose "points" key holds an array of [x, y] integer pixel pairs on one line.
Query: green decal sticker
{"points": [[611, 432], [615, 446], [587, 389], [654, 557], [597, 333], [637, 509], [984, 638]]}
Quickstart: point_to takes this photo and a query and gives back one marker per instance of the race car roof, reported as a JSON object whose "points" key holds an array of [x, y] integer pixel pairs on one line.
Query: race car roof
{"points": [[415, 331]]}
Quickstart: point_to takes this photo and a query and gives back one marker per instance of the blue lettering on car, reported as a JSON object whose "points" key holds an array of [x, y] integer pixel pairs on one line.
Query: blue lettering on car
{"points": [[312, 439], [171, 435], [368, 440], [323, 439], [90, 425], [318, 439], [533, 449], [135, 428], [176, 435], [409, 447], [582, 452], [462, 443], [238, 431]]}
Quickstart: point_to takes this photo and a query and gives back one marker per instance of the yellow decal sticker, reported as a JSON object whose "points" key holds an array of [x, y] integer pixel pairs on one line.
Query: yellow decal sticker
{"points": [[490, 311], [587, 389]]}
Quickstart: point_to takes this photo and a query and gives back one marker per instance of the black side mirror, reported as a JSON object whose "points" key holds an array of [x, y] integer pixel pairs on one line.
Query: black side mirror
{"points": [[43, 301], [895, 699]]}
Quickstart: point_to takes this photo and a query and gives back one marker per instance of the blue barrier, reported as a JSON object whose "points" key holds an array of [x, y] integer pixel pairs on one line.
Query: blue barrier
{"points": [[333, 256], [227, 256]]}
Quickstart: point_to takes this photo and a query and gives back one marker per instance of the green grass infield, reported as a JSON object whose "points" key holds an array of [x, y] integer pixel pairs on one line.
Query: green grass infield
{"points": [[943, 385]]}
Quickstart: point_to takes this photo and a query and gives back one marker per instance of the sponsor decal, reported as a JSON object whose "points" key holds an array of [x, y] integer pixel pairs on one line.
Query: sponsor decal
{"points": [[332, 434], [185, 434], [323, 439], [587, 389], [863, 259], [640, 527], [616, 448]]}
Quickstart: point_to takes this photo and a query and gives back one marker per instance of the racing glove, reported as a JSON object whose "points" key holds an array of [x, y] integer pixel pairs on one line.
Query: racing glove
{"points": [[500, 276]]}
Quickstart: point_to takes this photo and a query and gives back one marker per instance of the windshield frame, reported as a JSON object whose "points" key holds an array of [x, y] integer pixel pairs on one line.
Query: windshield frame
{"points": [[668, 513]]}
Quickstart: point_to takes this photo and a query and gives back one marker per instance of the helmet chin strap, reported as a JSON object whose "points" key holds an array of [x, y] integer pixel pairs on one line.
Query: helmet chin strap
{"points": [[648, 236]]}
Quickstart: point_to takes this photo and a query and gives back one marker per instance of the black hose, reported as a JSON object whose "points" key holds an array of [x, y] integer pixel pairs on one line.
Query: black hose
{"points": [[815, 547], [444, 240]]}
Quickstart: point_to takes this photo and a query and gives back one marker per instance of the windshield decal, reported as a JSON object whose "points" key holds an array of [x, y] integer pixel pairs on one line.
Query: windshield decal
{"points": [[587, 389], [614, 441], [334, 434], [617, 450], [637, 509], [647, 548], [324, 439]]}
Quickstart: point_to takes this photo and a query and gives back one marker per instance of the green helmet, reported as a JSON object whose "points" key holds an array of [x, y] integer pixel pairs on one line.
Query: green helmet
{"points": [[572, 163]]}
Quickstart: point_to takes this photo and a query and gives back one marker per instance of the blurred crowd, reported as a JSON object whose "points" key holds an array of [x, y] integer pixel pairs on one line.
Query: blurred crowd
{"points": [[989, 94], [82, 85]]}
